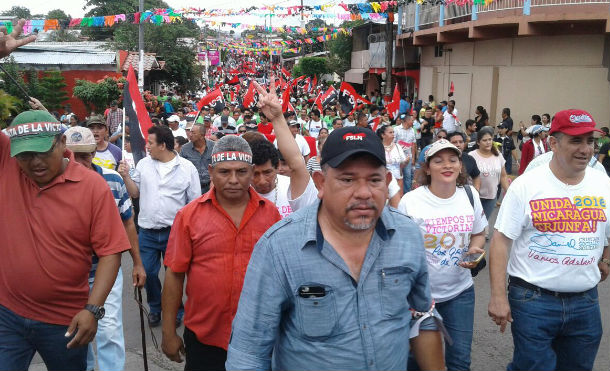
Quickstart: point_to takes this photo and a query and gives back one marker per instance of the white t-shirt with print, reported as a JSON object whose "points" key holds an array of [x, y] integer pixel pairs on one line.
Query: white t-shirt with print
{"points": [[314, 127], [446, 225], [491, 171], [286, 205], [558, 230]]}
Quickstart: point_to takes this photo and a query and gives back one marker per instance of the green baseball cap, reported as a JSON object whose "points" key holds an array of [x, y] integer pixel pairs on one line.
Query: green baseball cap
{"points": [[33, 131]]}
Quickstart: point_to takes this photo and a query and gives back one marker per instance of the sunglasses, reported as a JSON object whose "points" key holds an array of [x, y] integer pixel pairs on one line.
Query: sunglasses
{"points": [[28, 156], [241, 131]]}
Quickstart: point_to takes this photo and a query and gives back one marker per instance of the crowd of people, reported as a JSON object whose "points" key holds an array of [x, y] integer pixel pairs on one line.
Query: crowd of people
{"points": [[304, 239]]}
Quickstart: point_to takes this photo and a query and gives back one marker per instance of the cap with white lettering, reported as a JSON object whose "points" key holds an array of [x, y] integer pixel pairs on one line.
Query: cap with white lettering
{"points": [[348, 141], [33, 131], [573, 122]]}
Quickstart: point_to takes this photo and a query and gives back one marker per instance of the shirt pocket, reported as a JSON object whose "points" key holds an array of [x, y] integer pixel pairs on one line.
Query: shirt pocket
{"points": [[318, 315], [395, 285]]}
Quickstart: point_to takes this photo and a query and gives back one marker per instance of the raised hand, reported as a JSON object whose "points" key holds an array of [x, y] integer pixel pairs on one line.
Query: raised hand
{"points": [[268, 102], [10, 42]]}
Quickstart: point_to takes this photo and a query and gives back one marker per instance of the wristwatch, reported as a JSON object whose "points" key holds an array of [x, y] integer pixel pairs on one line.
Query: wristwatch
{"points": [[605, 260], [98, 311]]}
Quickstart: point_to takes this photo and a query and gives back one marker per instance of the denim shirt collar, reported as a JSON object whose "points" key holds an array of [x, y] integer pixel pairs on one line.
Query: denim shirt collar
{"points": [[385, 226]]}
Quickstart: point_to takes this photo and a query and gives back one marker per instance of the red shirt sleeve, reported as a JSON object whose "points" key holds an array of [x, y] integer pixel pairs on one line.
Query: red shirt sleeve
{"points": [[179, 246], [108, 234]]}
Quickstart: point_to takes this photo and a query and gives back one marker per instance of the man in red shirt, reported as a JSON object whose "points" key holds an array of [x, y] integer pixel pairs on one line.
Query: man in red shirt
{"points": [[264, 127], [211, 241], [55, 214]]}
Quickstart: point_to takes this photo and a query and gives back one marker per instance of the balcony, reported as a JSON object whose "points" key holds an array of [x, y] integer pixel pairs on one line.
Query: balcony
{"points": [[429, 24]]}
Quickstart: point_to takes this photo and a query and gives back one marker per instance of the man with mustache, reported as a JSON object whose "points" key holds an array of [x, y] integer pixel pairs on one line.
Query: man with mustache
{"points": [[331, 285]]}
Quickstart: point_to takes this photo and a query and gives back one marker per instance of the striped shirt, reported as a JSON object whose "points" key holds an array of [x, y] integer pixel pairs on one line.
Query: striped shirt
{"points": [[313, 165], [121, 197]]}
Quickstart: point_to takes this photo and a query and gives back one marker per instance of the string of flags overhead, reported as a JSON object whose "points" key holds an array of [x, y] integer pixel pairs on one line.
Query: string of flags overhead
{"points": [[358, 11]]}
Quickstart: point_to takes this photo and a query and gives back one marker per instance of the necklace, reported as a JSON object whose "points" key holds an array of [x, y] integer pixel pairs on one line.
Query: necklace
{"points": [[275, 197]]}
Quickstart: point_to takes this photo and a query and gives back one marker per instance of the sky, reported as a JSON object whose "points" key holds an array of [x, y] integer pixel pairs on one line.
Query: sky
{"points": [[74, 8]]}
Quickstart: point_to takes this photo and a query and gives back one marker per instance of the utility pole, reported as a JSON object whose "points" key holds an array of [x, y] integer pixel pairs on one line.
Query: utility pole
{"points": [[389, 50], [141, 48]]}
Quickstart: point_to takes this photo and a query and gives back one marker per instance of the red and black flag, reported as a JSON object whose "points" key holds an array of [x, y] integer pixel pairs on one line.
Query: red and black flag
{"points": [[285, 100], [251, 97], [327, 98], [349, 99], [394, 106], [214, 99], [314, 84], [139, 120], [285, 74]]}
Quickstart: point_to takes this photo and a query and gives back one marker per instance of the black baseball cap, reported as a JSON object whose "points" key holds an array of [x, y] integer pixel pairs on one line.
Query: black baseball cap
{"points": [[348, 141]]}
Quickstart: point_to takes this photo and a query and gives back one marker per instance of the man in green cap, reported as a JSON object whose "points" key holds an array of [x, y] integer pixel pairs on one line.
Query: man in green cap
{"points": [[55, 214]]}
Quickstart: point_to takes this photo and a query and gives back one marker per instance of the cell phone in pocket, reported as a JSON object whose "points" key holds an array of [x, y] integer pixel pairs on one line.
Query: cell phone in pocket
{"points": [[307, 291]]}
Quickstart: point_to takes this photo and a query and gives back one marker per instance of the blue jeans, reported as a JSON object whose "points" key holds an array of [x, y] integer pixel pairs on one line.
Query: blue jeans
{"points": [[552, 333], [489, 204], [110, 339], [458, 318], [407, 177], [21, 337], [153, 243]]}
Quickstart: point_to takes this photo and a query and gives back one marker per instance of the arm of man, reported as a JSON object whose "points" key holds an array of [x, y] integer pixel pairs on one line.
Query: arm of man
{"points": [[287, 145], [259, 313], [171, 344], [476, 183], [604, 268], [84, 322], [498, 308], [132, 187], [428, 345], [139, 273], [194, 190]]}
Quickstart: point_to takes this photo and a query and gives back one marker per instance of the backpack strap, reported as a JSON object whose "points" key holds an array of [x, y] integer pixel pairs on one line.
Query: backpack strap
{"points": [[470, 195]]}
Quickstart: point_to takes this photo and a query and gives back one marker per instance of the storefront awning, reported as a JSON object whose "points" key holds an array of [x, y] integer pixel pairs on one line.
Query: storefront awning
{"points": [[355, 75]]}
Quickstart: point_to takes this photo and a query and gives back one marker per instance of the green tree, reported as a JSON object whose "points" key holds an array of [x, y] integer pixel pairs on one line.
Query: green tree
{"points": [[97, 95], [62, 35], [9, 106], [57, 14], [164, 40], [7, 85], [313, 66], [19, 12], [180, 59], [53, 84]]}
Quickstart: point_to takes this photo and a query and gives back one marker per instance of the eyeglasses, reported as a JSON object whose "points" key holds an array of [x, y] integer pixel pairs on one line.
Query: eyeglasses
{"points": [[441, 137], [28, 156], [241, 131]]}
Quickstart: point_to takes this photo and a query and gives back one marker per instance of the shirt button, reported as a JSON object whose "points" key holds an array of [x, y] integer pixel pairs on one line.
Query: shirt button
{"points": [[370, 363], [364, 327]]}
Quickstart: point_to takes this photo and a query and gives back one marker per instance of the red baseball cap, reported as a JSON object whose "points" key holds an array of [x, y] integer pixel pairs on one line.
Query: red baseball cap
{"points": [[573, 122]]}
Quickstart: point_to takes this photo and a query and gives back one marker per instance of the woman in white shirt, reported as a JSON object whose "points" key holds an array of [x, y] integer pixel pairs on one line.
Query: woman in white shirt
{"points": [[452, 224], [394, 155], [491, 165]]}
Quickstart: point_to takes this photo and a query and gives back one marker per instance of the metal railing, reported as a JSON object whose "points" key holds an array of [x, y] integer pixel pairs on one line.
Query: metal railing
{"points": [[501, 5], [422, 16]]}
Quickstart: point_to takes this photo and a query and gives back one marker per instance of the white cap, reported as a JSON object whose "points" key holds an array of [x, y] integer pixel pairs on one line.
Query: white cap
{"points": [[80, 139], [173, 118], [440, 145]]}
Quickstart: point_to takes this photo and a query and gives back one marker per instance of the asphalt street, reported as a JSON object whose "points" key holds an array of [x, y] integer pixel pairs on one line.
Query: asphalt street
{"points": [[491, 350]]}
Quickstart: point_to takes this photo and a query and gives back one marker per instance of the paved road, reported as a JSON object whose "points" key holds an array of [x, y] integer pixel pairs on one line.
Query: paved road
{"points": [[490, 349]]}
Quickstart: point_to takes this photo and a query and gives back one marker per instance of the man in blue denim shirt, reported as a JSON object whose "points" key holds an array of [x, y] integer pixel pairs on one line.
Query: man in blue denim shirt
{"points": [[330, 286]]}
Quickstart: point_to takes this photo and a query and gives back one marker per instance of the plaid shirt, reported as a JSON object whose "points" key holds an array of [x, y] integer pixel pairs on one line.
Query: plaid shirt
{"points": [[114, 119]]}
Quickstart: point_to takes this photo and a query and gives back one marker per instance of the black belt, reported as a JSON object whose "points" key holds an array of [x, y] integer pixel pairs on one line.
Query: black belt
{"points": [[164, 229], [526, 285]]}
